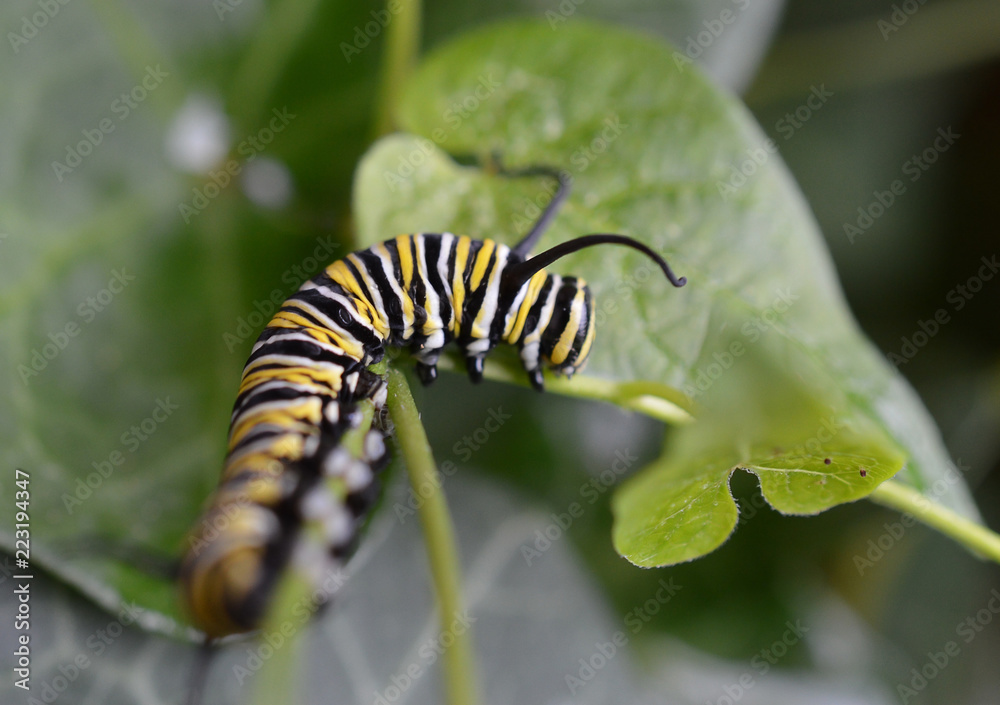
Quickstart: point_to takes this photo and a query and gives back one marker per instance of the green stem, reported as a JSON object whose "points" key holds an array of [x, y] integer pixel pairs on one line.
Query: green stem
{"points": [[439, 535], [653, 399], [973, 536], [402, 43], [279, 676]]}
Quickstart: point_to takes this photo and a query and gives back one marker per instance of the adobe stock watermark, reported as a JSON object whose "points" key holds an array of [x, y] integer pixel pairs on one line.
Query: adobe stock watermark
{"points": [[752, 331], [121, 108], [563, 11], [826, 431], [428, 653], [32, 24], [913, 168], [6, 568], [219, 179], [589, 492], [749, 507], [87, 311], [131, 439], [633, 622], [900, 15], [760, 664], [270, 642], [224, 513], [608, 303], [877, 548], [967, 630], [580, 159], [363, 36], [959, 297], [224, 7], [696, 45], [293, 278], [739, 174], [464, 450], [453, 116], [794, 120], [756, 157], [97, 643]]}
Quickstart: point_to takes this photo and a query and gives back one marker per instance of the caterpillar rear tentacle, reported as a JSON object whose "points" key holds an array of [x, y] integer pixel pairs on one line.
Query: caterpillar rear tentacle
{"points": [[308, 370]]}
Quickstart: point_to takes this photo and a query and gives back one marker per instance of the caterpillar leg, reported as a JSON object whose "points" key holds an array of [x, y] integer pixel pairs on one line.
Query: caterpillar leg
{"points": [[428, 353], [474, 366], [426, 372], [536, 379], [532, 363]]}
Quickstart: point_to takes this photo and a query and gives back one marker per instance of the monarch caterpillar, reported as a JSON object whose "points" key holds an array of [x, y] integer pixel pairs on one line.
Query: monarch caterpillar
{"points": [[307, 371]]}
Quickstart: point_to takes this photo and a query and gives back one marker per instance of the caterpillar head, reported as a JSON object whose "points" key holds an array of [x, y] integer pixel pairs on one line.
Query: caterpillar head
{"points": [[551, 318], [552, 324]]}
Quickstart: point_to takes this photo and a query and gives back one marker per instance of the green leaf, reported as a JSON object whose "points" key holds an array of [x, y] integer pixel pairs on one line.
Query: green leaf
{"points": [[809, 448], [657, 152], [731, 55]]}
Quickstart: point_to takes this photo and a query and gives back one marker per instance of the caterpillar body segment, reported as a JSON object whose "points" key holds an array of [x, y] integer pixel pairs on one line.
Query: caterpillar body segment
{"points": [[292, 496]]}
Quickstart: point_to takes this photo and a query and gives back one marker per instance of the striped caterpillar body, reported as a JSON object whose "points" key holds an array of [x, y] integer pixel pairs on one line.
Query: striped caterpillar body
{"points": [[286, 469]]}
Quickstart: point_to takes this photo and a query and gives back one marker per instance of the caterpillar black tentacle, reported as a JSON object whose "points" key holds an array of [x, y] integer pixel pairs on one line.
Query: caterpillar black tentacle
{"points": [[292, 496]]}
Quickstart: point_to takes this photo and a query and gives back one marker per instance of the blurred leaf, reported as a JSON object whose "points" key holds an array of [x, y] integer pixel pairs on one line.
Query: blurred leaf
{"points": [[728, 37], [161, 339], [529, 630], [82, 364], [657, 152]]}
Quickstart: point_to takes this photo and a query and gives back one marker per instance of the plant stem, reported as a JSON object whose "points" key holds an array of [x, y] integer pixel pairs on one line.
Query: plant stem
{"points": [[653, 399], [402, 42], [279, 676], [439, 536], [401, 45], [978, 539]]}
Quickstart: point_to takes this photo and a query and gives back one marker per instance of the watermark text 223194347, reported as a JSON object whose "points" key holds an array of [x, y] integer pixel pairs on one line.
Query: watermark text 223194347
{"points": [[22, 581]]}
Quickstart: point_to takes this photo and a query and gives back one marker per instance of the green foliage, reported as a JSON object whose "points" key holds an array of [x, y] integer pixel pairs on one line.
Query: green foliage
{"points": [[653, 149], [657, 152], [72, 398], [810, 449]]}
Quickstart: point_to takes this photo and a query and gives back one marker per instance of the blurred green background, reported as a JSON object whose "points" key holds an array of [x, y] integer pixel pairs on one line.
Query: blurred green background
{"points": [[892, 75]]}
